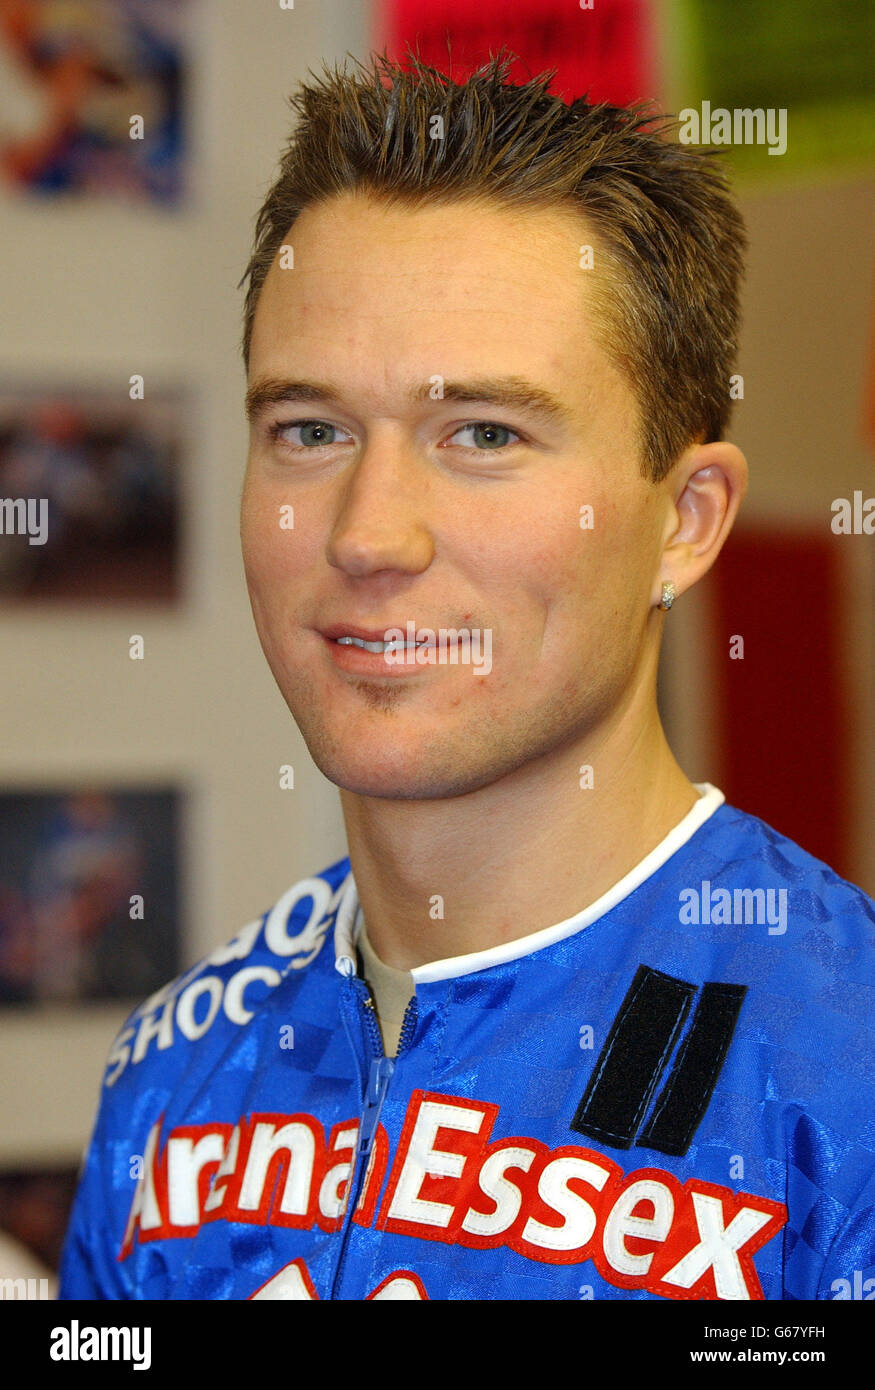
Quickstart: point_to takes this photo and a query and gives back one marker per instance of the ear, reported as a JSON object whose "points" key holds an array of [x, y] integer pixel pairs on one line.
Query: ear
{"points": [[705, 490]]}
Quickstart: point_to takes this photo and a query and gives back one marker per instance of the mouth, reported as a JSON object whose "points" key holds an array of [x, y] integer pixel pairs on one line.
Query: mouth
{"points": [[373, 641], [363, 652], [396, 645]]}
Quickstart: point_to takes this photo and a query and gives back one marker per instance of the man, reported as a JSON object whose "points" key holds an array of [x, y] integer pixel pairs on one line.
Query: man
{"points": [[564, 1025]]}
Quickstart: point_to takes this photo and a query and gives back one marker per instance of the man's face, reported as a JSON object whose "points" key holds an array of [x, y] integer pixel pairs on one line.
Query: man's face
{"points": [[406, 509]]}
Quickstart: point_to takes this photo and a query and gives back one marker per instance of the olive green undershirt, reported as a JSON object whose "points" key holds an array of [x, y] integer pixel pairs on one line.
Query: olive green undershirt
{"points": [[392, 991]]}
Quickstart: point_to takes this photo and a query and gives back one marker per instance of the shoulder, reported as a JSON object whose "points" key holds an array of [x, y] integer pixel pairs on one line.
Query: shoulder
{"points": [[226, 990], [740, 851]]}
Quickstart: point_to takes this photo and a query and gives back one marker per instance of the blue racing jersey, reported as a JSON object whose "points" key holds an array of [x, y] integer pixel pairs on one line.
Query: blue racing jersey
{"points": [[666, 1096]]}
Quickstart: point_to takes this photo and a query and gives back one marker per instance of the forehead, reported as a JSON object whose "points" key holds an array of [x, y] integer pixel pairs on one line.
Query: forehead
{"points": [[470, 287]]}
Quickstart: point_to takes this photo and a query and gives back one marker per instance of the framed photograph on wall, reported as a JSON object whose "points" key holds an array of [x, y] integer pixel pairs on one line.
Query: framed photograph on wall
{"points": [[91, 494], [89, 894], [93, 99]]}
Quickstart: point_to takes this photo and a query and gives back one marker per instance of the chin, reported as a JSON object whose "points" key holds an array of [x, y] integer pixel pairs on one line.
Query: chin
{"points": [[421, 773], [393, 778]]}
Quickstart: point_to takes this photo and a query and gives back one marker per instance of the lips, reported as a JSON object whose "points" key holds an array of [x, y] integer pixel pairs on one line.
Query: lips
{"points": [[378, 659], [366, 634]]}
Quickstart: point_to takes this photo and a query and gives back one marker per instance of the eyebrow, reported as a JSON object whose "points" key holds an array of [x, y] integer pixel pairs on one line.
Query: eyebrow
{"points": [[509, 392]]}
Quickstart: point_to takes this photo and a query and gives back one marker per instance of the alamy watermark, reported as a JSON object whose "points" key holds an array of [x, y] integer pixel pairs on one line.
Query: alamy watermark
{"points": [[76, 1343], [29, 1289], [860, 1289], [853, 516], [25, 516], [427, 646], [740, 126], [737, 907]]}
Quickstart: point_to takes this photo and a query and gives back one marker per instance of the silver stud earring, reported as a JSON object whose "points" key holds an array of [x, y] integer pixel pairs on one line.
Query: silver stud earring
{"points": [[668, 594]]}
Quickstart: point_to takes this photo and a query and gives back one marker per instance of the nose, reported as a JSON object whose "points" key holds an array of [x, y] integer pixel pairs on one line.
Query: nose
{"points": [[382, 518]]}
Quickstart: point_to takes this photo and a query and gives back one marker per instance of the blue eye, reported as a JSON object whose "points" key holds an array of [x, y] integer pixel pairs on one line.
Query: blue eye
{"points": [[487, 436]]}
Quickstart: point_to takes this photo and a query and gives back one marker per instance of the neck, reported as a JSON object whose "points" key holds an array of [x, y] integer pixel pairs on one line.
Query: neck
{"points": [[450, 876]]}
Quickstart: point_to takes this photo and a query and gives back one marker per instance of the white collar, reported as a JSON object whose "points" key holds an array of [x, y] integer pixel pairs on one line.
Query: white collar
{"points": [[349, 917]]}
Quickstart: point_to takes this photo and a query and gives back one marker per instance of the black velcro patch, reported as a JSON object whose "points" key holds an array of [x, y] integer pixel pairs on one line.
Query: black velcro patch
{"points": [[635, 1052], [685, 1096]]}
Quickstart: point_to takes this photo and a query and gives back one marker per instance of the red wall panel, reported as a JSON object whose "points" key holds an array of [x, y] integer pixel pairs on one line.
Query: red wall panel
{"points": [[607, 51], [783, 716]]}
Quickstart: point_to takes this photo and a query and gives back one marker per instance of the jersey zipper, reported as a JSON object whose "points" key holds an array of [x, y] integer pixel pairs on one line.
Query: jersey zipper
{"points": [[380, 1072], [408, 1026]]}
